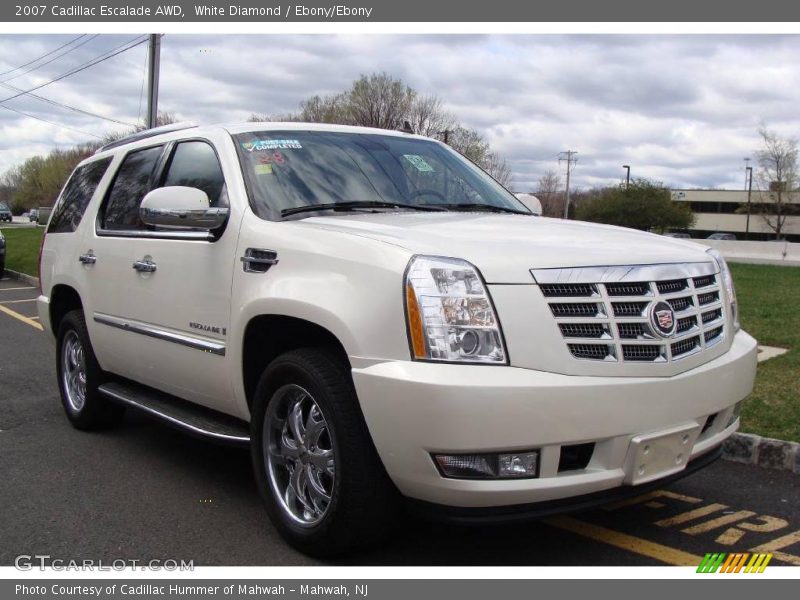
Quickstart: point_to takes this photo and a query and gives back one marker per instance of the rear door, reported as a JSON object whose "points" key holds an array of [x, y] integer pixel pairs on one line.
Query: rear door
{"points": [[165, 324]]}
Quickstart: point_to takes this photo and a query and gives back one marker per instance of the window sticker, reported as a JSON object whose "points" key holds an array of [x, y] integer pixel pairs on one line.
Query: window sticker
{"points": [[263, 169], [275, 157], [418, 162], [262, 145]]}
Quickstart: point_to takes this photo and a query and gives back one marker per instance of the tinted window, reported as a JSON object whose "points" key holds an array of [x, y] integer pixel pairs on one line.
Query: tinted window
{"points": [[130, 186], [287, 169], [195, 164], [76, 196]]}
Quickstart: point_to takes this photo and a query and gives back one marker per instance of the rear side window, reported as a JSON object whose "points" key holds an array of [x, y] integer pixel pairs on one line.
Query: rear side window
{"points": [[195, 164], [129, 188], [75, 198]]}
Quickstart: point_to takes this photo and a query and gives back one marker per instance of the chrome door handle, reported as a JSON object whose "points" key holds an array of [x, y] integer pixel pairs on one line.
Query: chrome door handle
{"points": [[87, 259], [144, 266]]}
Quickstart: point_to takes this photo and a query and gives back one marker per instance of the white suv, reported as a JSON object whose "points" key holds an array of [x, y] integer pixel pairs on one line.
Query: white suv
{"points": [[379, 319]]}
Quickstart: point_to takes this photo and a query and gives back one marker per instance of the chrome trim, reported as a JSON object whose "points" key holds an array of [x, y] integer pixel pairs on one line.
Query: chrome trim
{"points": [[87, 259], [162, 334], [169, 418], [184, 218], [632, 273], [144, 266], [201, 236]]}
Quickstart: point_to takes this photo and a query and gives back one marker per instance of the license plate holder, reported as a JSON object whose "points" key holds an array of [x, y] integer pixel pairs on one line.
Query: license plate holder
{"points": [[655, 455]]}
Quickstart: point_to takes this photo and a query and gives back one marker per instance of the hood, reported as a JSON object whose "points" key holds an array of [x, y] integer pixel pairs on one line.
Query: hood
{"points": [[505, 246]]}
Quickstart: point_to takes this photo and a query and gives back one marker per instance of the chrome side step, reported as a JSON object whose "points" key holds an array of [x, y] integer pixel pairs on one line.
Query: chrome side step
{"points": [[191, 418]]}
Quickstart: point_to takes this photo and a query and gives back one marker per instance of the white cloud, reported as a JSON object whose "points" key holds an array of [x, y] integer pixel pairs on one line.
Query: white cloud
{"points": [[682, 109]]}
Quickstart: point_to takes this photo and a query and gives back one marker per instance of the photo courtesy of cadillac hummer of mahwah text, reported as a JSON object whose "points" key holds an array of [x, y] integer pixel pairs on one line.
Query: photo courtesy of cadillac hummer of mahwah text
{"points": [[385, 326]]}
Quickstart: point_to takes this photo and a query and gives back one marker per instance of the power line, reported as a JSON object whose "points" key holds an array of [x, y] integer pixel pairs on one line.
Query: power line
{"points": [[50, 122], [67, 106], [55, 58], [30, 62], [95, 61]]}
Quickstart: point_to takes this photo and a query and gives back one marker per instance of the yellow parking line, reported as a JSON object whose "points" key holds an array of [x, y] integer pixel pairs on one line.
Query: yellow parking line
{"points": [[17, 301], [19, 317], [665, 554]]}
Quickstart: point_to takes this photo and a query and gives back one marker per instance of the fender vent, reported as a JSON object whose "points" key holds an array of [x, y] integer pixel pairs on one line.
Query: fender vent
{"points": [[256, 260]]}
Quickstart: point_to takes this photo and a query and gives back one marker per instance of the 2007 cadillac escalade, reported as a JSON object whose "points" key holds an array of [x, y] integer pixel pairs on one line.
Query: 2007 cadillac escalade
{"points": [[378, 319]]}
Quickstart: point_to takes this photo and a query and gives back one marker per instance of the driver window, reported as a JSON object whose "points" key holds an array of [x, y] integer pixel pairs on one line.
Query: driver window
{"points": [[195, 164]]}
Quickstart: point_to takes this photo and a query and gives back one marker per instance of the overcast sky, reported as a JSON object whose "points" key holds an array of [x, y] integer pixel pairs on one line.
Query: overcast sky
{"points": [[680, 109]]}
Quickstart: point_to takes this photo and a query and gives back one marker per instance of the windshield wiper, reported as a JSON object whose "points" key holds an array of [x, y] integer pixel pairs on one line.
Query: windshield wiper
{"points": [[357, 204], [467, 206]]}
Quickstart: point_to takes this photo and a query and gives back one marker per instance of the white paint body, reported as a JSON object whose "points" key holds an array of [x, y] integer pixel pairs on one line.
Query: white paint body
{"points": [[345, 274]]}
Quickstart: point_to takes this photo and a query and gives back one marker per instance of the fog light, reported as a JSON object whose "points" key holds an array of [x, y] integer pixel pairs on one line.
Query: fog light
{"points": [[514, 465], [737, 408]]}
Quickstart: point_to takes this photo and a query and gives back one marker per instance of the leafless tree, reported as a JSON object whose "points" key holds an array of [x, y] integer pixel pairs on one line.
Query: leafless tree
{"points": [[777, 178], [428, 117], [550, 191]]}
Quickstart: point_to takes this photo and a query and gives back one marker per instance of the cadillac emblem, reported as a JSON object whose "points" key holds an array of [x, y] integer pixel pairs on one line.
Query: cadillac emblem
{"points": [[662, 319]]}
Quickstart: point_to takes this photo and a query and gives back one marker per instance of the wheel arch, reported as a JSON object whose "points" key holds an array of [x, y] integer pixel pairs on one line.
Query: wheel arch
{"points": [[63, 299]]}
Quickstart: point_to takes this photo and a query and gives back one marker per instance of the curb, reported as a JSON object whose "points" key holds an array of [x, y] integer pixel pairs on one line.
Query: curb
{"points": [[751, 449], [744, 448], [30, 280]]}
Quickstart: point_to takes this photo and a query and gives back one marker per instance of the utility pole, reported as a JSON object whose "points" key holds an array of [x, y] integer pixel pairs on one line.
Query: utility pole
{"points": [[153, 67], [627, 175], [749, 174], [569, 156]]}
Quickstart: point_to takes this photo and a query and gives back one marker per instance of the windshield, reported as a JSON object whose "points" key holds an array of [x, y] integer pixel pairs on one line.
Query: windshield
{"points": [[288, 170]]}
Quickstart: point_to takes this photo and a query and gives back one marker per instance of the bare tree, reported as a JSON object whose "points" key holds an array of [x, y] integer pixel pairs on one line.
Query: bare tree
{"points": [[778, 177], [379, 100], [427, 117], [550, 192]]}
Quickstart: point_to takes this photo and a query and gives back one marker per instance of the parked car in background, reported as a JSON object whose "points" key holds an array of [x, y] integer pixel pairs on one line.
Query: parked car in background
{"points": [[722, 236], [33, 215], [680, 236], [5, 213], [2, 255], [380, 321]]}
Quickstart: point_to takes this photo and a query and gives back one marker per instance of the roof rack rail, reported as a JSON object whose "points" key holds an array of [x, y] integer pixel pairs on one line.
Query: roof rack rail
{"points": [[146, 133]]}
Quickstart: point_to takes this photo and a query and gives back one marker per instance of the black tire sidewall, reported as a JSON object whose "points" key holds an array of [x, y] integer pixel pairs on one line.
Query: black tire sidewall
{"points": [[97, 411]]}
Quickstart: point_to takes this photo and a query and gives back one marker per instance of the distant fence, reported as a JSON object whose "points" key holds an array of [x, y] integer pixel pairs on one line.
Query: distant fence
{"points": [[765, 253]]}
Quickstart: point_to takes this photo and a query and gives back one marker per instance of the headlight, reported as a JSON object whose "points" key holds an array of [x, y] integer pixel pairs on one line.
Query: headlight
{"points": [[727, 283], [449, 313]]}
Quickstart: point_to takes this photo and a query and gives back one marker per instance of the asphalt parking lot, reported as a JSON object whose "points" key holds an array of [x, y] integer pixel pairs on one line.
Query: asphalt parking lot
{"points": [[143, 491]]}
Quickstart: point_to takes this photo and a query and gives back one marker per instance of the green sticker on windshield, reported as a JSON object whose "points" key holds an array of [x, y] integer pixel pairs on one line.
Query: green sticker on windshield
{"points": [[418, 162], [263, 169]]}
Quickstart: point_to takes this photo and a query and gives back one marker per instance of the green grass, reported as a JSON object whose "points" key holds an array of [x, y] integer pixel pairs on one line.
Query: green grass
{"points": [[22, 248], [769, 305]]}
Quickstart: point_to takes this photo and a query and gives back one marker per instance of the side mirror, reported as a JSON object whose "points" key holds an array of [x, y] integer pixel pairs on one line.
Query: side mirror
{"points": [[180, 207], [531, 202]]}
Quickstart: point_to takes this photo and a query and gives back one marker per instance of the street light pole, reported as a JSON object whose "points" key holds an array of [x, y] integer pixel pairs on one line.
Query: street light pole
{"points": [[749, 174], [746, 167], [627, 175]]}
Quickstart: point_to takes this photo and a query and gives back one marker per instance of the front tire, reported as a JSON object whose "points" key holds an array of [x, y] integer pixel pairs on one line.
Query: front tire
{"points": [[80, 376], [315, 465]]}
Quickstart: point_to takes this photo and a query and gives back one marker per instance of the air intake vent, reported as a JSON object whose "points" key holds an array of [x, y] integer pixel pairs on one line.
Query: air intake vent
{"points": [[629, 309], [686, 323], [584, 330], [632, 331], [684, 346], [701, 282], [709, 298], [568, 290], [591, 351], [670, 287], [628, 289], [681, 304], [641, 352], [575, 309]]}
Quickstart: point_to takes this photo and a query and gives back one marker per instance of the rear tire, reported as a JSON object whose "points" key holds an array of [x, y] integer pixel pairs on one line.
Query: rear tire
{"points": [[80, 376], [318, 473]]}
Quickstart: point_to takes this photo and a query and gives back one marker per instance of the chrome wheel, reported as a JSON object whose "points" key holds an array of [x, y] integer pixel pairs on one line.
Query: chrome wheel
{"points": [[299, 455], [73, 370]]}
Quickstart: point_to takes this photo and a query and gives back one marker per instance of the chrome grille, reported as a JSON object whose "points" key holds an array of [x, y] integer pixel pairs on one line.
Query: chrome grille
{"points": [[605, 317]]}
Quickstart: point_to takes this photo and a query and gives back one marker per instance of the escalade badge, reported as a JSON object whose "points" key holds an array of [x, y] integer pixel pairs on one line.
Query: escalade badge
{"points": [[662, 319]]}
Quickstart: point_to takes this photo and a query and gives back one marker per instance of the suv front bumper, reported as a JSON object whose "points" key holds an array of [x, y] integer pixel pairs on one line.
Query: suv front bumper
{"points": [[414, 409]]}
